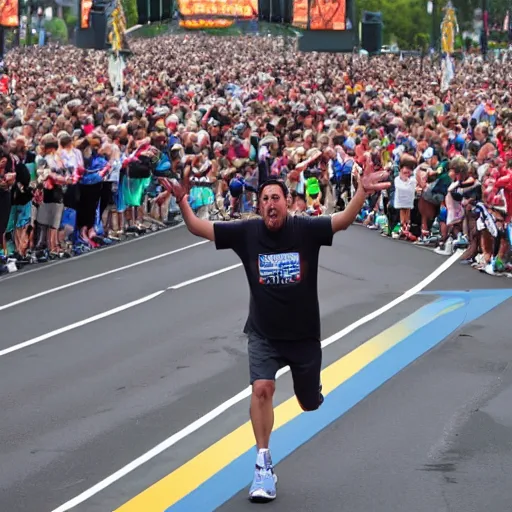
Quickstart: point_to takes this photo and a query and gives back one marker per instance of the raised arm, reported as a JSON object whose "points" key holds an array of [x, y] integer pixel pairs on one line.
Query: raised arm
{"points": [[197, 226], [367, 184]]}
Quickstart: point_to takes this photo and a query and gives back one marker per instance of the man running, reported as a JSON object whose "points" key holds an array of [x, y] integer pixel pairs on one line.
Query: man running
{"points": [[280, 256]]}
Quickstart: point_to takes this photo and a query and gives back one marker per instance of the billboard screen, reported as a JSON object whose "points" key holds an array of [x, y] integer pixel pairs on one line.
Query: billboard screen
{"points": [[325, 14], [9, 16], [85, 11], [212, 9]]}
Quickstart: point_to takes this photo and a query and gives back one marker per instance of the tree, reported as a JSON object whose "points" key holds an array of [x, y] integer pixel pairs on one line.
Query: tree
{"points": [[130, 12], [403, 19], [58, 29]]}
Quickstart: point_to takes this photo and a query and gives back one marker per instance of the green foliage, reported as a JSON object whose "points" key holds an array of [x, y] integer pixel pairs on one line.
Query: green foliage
{"points": [[58, 29], [130, 12], [405, 20], [70, 18], [466, 9], [421, 41]]}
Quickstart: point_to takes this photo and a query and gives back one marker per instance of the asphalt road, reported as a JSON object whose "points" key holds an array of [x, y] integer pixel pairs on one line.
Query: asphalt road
{"points": [[104, 370]]}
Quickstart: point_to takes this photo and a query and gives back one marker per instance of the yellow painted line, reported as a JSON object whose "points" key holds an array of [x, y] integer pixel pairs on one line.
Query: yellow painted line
{"points": [[185, 479]]}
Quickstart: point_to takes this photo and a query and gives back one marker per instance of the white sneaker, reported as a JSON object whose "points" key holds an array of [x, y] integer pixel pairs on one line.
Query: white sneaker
{"points": [[447, 250], [11, 266]]}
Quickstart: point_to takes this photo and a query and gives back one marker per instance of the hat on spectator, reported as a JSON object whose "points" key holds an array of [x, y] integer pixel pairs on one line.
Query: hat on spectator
{"points": [[172, 119], [429, 153]]}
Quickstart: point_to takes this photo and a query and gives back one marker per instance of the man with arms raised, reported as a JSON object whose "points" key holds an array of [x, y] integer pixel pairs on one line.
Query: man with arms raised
{"points": [[280, 256]]}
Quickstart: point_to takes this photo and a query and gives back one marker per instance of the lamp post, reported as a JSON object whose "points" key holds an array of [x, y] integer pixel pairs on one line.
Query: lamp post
{"points": [[430, 11]]}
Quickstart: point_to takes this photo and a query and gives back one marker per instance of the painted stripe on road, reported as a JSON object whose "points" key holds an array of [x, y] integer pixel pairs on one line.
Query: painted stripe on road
{"points": [[110, 312], [203, 277], [243, 394], [78, 324], [219, 472], [97, 276]]}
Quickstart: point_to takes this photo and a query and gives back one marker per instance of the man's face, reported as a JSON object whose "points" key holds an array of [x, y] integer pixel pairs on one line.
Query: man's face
{"points": [[273, 207]]}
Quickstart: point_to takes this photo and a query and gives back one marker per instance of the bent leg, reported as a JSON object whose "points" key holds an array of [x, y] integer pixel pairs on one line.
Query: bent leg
{"points": [[306, 375]]}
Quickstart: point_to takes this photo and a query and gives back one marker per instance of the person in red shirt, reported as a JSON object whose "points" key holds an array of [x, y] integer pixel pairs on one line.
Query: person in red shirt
{"points": [[4, 85]]}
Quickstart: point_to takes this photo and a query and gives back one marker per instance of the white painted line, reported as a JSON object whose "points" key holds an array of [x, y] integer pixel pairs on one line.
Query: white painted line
{"points": [[118, 309], [202, 278], [44, 266], [245, 393], [97, 276], [407, 295], [70, 327]]}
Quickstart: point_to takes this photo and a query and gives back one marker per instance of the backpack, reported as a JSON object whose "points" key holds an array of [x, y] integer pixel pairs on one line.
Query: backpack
{"points": [[163, 167], [342, 169]]}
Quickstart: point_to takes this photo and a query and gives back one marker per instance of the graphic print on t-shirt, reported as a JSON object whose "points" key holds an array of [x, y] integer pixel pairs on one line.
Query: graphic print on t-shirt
{"points": [[282, 268]]}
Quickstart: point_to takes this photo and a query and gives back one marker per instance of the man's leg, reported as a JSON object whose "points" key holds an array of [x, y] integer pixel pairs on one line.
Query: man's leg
{"points": [[262, 411], [306, 366], [264, 362]]}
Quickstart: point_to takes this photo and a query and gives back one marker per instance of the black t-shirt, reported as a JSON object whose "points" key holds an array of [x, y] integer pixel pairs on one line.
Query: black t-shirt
{"points": [[282, 271]]}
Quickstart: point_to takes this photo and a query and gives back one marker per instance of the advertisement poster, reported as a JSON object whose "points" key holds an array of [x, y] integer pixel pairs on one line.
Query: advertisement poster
{"points": [[9, 16], [241, 9], [325, 14], [85, 8]]}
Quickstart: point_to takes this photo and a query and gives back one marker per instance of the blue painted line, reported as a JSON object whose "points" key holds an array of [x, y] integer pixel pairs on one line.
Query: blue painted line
{"points": [[285, 440]]}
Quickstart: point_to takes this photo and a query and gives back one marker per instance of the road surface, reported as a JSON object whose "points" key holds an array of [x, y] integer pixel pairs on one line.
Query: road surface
{"points": [[124, 384]]}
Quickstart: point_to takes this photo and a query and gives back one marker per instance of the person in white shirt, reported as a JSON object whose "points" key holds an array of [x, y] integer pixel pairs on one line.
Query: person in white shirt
{"points": [[405, 191]]}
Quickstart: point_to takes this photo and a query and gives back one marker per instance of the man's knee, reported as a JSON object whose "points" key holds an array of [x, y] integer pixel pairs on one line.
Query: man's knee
{"points": [[309, 402], [263, 389], [309, 407]]}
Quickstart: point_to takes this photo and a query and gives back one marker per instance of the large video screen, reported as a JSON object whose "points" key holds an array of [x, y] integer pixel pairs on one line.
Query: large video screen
{"points": [[201, 24], [325, 14], [211, 9], [85, 11], [9, 13]]}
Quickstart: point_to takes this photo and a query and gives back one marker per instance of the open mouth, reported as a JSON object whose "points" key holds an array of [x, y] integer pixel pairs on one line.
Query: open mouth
{"points": [[272, 214]]}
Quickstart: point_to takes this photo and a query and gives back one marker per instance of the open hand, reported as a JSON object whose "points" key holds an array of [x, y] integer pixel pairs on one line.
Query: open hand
{"points": [[174, 187], [371, 181]]}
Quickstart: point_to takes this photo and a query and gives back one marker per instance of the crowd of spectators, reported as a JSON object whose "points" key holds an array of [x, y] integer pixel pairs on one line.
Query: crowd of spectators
{"points": [[82, 167]]}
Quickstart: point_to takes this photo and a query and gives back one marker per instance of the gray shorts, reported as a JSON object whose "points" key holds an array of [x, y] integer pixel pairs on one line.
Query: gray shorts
{"points": [[304, 358], [50, 214]]}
